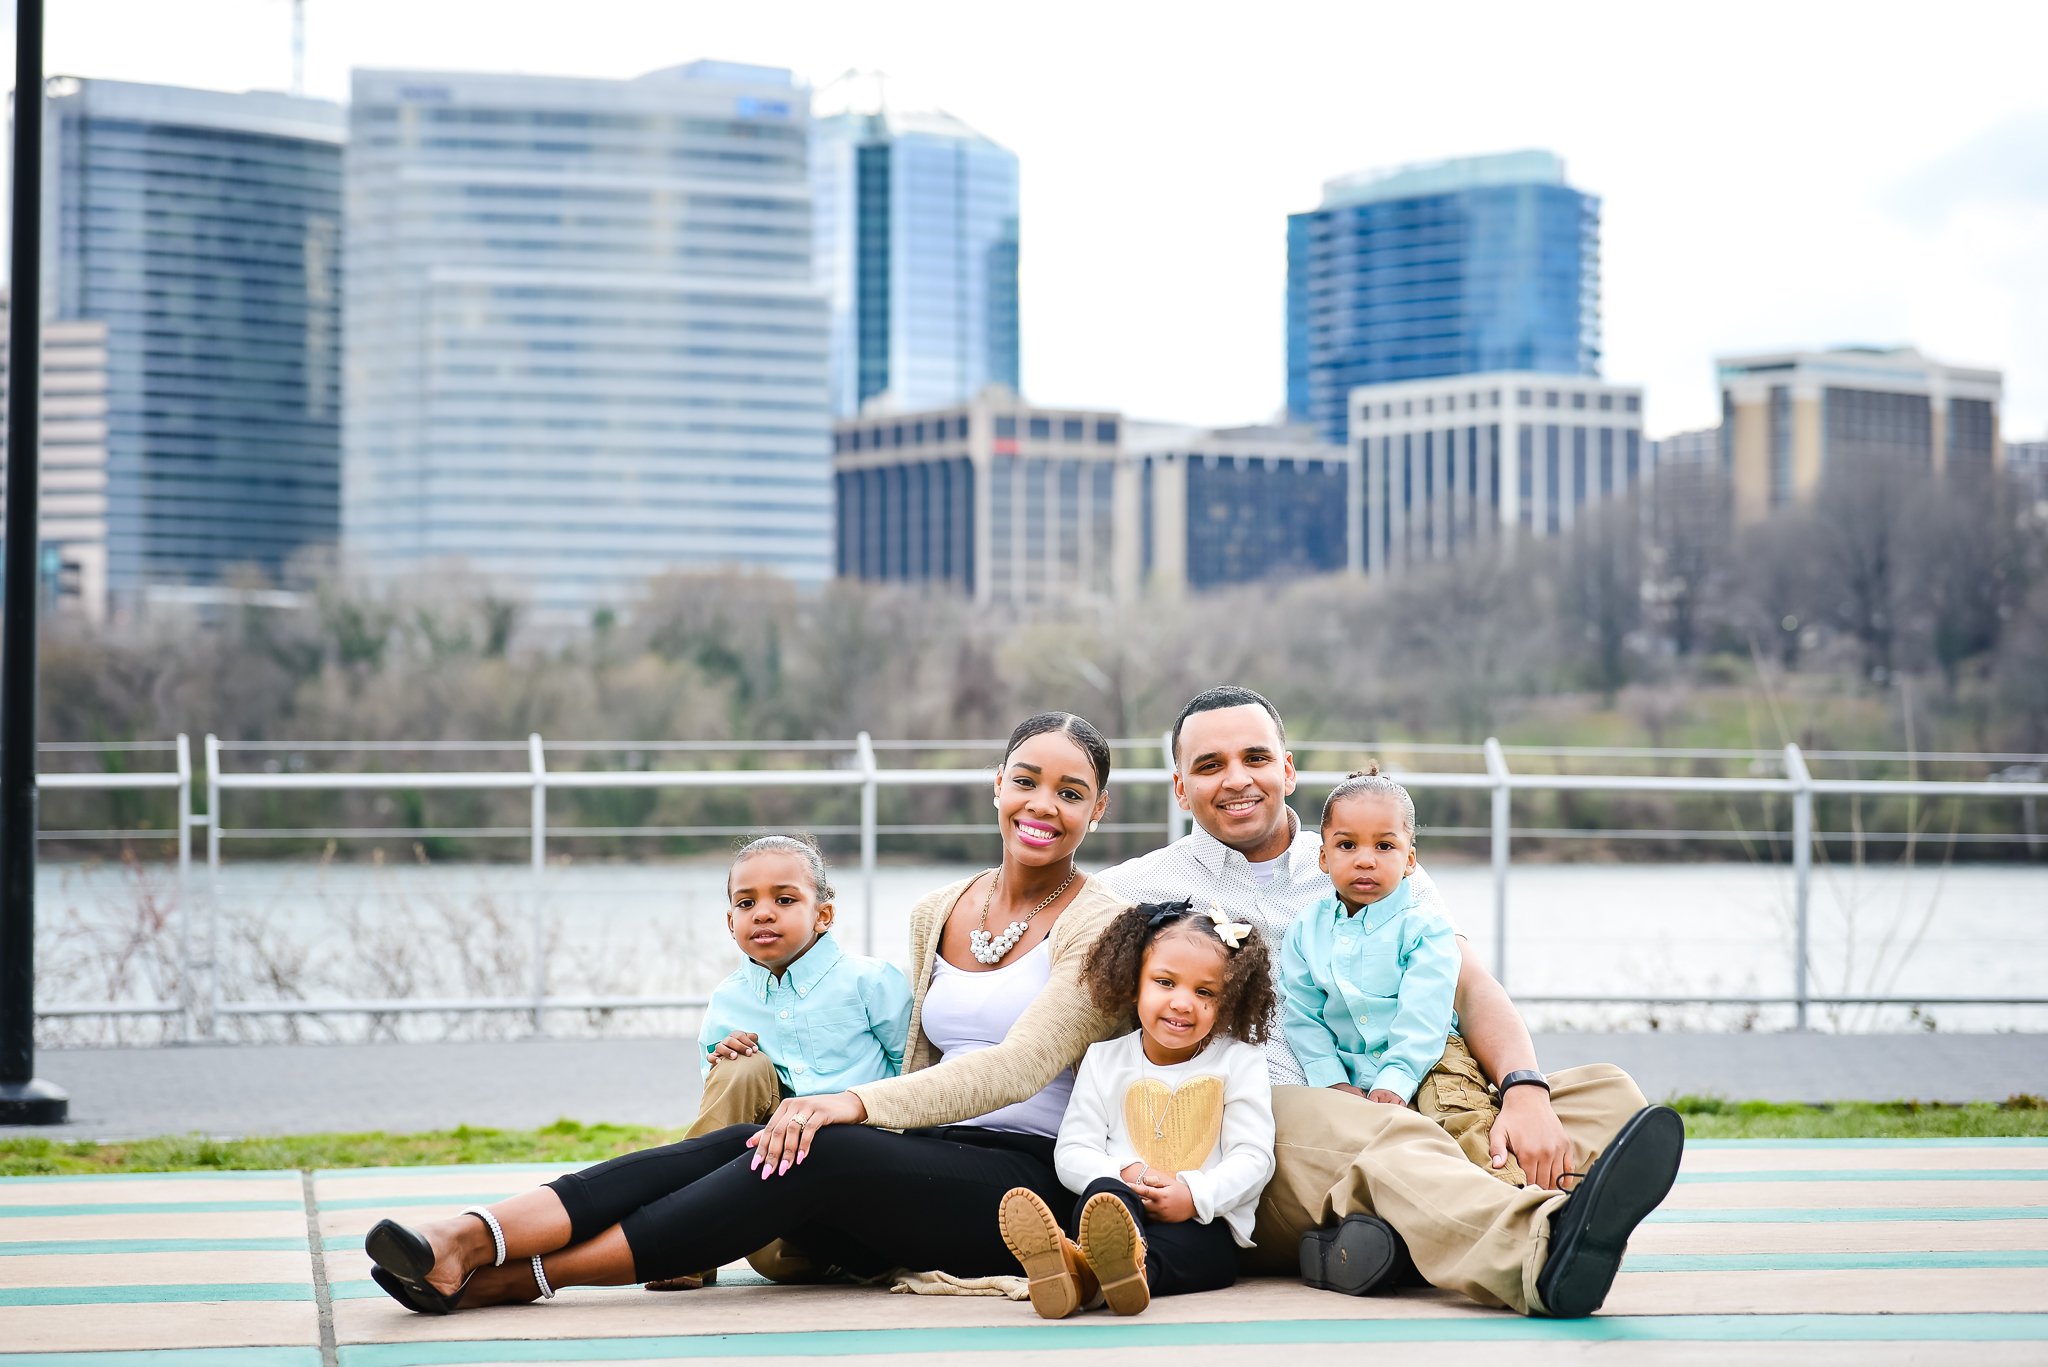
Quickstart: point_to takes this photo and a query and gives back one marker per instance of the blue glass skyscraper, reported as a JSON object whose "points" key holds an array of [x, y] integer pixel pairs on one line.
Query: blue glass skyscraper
{"points": [[585, 344], [1452, 268], [917, 246], [204, 230]]}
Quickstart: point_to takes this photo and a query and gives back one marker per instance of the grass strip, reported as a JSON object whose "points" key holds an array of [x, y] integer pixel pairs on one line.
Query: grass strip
{"points": [[569, 1142]]}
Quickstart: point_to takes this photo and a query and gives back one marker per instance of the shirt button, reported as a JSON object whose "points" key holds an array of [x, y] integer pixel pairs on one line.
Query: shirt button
{"points": [[796, 1067], [784, 1015]]}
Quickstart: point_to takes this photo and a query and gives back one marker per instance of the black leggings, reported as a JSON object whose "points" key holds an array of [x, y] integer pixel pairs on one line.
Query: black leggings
{"points": [[865, 1199], [1179, 1257]]}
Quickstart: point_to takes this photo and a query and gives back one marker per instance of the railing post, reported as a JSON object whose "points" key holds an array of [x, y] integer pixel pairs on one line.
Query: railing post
{"points": [[1176, 819], [538, 761], [864, 750], [186, 1002], [1802, 879], [1497, 769], [210, 1026]]}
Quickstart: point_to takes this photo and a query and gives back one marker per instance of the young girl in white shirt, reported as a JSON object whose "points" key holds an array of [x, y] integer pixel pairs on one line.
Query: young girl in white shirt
{"points": [[1168, 1137]]}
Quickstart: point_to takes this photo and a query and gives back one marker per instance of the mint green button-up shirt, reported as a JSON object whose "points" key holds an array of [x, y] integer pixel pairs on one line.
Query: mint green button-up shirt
{"points": [[1368, 998], [832, 1021]]}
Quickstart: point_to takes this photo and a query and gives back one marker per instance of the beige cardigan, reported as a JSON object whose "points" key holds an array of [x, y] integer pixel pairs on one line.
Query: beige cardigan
{"points": [[1049, 1038]]}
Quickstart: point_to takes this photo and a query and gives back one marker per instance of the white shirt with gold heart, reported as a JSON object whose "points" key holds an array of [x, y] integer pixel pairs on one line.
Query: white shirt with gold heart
{"points": [[1208, 1120]]}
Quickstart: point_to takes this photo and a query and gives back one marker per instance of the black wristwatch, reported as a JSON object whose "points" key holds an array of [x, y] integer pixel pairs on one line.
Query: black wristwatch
{"points": [[1521, 1076]]}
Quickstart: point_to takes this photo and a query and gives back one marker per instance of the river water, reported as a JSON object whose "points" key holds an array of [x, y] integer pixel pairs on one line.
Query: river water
{"points": [[310, 932]]}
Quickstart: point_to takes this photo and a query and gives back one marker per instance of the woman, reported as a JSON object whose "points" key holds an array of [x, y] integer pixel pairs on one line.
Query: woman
{"points": [[999, 1020]]}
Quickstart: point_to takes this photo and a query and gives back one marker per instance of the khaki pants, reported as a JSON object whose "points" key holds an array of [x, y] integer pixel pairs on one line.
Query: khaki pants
{"points": [[1456, 1096], [746, 1091], [1466, 1231]]}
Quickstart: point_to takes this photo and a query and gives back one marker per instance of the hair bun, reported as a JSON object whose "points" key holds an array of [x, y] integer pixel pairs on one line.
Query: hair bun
{"points": [[1371, 770]]}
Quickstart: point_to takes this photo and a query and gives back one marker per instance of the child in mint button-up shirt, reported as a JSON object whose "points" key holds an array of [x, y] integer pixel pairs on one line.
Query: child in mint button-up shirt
{"points": [[1370, 976], [826, 1020]]}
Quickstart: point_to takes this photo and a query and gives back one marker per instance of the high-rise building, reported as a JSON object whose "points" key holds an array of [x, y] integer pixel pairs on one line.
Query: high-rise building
{"points": [[1699, 447], [1453, 463], [203, 230], [585, 345], [1015, 504], [1458, 267], [1226, 506], [72, 495], [2027, 463], [917, 246], [1791, 420], [1007, 502]]}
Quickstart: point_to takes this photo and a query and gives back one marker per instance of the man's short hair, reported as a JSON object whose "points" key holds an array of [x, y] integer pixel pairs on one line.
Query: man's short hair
{"points": [[1224, 695]]}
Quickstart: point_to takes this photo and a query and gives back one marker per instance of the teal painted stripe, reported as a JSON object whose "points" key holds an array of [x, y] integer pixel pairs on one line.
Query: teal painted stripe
{"points": [[442, 1198], [206, 1175], [38, 1248], [1873, 1175], [1956, 1142], [354, 1291], [154, 1295], [1823, 1215], [551, 1169], [172, 1357], [2014, 1328], [1833, 1262], [149, 1208]]}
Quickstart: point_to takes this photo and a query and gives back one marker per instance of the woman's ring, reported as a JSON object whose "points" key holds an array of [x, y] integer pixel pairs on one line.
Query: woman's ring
{"points": [[801, 1120]]}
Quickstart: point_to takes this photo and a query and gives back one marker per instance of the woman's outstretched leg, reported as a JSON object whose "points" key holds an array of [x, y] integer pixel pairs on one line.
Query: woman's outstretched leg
{"points": [[573, 1219]]}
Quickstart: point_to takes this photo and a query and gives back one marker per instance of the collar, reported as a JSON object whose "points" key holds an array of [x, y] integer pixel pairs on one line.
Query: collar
{"points": [[1213, 855], [1376, 916], [802, 975]]}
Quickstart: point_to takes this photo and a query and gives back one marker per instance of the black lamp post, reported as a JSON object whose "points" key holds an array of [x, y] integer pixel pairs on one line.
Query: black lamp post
{"points": [[25, 1099]]}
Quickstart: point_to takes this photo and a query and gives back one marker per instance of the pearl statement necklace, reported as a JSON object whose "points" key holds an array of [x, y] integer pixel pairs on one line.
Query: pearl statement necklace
{"points": [[990, 949]]}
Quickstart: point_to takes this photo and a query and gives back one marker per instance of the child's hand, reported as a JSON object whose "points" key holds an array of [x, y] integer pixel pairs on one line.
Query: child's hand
{"points": [[1384, 1096], [1166, 1199], [1347, 1087], [738, 1044]]}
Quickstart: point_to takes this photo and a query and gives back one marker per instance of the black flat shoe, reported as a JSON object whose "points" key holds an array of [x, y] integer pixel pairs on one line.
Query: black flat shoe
{"points": [[1589, 1232], [406, 1257], [1359, 1255]]}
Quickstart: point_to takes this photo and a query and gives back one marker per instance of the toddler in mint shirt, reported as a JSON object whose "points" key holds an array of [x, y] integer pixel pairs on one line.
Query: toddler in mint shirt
{"points": [[1369, 977]]}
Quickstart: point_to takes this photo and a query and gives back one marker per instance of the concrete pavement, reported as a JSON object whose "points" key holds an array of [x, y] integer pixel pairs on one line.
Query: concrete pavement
{"points": [[231, 1090]]}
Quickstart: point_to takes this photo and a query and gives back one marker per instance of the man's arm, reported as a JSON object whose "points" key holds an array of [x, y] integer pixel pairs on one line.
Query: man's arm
{"points": [[1494, 1031]]}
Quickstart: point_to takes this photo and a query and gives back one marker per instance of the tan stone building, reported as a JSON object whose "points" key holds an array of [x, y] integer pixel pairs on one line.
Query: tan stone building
{"points": [[1791, 419], [73, 493]]}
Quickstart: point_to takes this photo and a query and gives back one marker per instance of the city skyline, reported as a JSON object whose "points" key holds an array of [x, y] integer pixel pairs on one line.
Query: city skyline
{"points": [[1790, 194]]}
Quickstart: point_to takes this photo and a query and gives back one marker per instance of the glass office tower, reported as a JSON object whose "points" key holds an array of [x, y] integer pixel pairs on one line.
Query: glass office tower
{"points": [[204, 230], [1453, 268], [585, 346], [917, 246]]}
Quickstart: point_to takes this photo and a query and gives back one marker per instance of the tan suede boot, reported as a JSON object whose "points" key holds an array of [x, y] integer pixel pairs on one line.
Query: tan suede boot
{"points": [[1113, 1246], [1060, 1279]]}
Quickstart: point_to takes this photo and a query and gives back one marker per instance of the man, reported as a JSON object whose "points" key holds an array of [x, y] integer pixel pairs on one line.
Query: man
{"points": [[1353, 1172]]}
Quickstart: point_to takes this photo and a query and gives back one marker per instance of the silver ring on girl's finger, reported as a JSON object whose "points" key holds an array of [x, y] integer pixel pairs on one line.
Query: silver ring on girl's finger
{"points": [[801, 1120]]}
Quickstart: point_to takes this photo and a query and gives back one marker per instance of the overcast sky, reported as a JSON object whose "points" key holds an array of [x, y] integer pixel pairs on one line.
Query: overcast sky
{"points": [[1772, 175]]}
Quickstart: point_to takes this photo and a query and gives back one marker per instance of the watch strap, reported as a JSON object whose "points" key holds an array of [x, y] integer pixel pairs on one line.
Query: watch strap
{"points": [[1521, 1076]]}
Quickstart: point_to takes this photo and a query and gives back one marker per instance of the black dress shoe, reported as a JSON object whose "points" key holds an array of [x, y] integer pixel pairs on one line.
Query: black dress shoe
{"points": [[1358, 1255], [1589, 1232]]}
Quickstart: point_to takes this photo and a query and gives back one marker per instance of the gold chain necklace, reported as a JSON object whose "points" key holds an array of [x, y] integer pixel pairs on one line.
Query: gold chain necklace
{"points": [[990, 949]]}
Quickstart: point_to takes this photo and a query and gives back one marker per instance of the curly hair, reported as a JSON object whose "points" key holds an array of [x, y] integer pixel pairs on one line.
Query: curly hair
{"points": [[1245, 1009]]}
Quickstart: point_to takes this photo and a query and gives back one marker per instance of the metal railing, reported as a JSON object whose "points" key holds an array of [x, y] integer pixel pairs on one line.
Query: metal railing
{"points": [[862, 771]]}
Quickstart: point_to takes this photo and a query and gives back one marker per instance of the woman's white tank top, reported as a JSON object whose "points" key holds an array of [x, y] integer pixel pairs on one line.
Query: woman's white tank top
{"points": [[966, 1011]]}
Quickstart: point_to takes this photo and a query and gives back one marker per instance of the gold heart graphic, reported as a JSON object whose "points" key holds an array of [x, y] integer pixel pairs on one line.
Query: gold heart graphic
{"points": [[1174, 1131]]}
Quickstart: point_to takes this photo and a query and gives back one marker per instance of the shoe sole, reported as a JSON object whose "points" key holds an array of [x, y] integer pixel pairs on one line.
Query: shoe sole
{"points": [[1034, 1239], [406, 1257], [1114, 1248], [1631, 1179], [1353, 1259]]}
